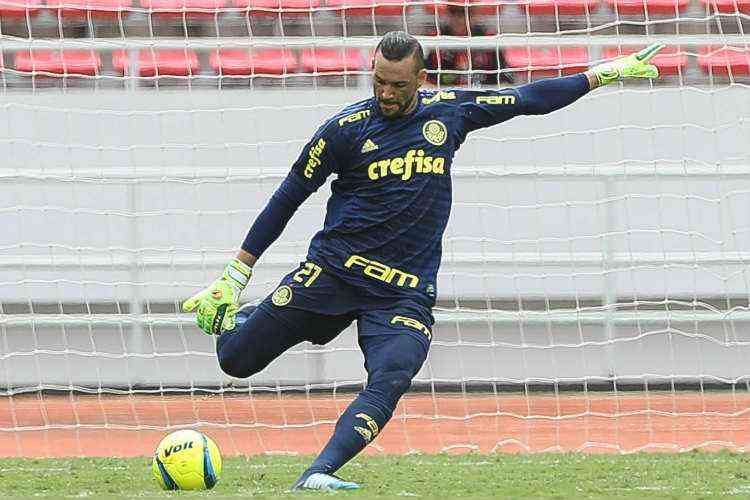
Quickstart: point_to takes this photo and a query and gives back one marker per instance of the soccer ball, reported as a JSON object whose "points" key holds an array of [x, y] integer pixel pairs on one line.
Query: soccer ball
{"points": [[186, 460]]}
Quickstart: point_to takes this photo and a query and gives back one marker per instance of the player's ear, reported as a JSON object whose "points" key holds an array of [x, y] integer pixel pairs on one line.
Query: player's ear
{"points": [[421, 77]]}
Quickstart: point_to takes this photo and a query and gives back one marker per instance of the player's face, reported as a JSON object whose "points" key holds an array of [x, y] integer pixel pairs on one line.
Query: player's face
{"points": [[395, 85]]}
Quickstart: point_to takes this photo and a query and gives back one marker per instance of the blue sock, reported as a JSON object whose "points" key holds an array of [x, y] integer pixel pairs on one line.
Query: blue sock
{"points": [[357, 426]]}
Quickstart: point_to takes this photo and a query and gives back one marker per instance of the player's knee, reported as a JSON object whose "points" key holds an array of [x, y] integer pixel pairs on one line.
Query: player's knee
{"points": [[390, 382], [386, 388], [236, 363], [231, 365], [394, 374], [399, 382], [242, 352], [401, 363]]}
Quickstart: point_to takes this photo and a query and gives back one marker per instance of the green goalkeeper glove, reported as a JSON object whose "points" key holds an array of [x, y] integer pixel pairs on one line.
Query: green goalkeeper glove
{"points": [[632, 66], [217, 304]]}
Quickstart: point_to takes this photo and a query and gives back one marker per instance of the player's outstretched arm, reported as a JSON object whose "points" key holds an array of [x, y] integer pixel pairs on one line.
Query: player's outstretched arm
{"points": [[636, 65], [487, 108], [549, 95], [552, 94]]}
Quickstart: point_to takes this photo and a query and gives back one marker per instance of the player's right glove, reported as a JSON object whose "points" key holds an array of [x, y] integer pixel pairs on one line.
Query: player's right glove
{"points": [[217, 305], [632, 66]]}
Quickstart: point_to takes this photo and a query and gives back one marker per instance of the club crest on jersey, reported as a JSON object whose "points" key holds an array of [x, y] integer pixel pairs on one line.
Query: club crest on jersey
{"points": [[435, 132], [282, 296]]}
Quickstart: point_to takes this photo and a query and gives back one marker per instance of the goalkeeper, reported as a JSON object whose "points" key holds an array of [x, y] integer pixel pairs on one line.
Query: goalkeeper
{"points": [[377, 257]]}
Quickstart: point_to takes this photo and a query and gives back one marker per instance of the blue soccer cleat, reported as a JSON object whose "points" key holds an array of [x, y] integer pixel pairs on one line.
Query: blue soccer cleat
{"points": [[323, 482]]}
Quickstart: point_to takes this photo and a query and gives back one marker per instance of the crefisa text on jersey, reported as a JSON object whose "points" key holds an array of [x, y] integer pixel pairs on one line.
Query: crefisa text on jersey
{"points": [[414, 161]]}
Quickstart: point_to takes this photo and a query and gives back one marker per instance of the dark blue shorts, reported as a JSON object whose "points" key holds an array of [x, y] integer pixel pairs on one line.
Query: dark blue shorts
{"points": [[322, 305]]}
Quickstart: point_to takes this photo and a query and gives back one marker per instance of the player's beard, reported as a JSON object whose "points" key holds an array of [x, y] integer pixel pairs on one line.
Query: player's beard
{"points": [[395, 112]]}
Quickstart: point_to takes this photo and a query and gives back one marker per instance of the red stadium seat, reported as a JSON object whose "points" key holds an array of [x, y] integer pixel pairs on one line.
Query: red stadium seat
{"points": [[727, 6], [106, 9], [178, 62], [20, 8], [723, 61], [288, 8], [192, 8], [360, 8], [651, 6], [670, 61], [66, 62], [562, 7], [253, 62], [550, 61], [332, 60], [476, 7]]}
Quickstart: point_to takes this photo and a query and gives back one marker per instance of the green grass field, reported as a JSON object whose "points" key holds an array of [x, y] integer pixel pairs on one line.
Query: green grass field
{"points": [[569, 476]]}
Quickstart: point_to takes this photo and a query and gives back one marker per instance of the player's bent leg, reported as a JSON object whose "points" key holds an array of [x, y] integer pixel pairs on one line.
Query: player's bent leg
{"points": [[391, 362], [262, 335], [258, 339]]}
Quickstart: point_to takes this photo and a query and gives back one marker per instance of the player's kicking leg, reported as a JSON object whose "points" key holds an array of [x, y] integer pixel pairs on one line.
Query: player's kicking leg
{"points": [[258, 339], [393, 355], [262, 336]]}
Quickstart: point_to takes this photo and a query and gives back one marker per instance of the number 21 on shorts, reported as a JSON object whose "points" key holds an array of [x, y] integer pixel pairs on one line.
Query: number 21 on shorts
{"points": [[307, 274]]}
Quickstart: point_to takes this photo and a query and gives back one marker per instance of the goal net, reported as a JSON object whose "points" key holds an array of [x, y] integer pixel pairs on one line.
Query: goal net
{"points": [[594, 287]]}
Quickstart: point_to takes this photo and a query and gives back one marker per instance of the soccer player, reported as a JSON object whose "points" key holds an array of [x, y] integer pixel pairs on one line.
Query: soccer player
{"points": [[377, 256]]}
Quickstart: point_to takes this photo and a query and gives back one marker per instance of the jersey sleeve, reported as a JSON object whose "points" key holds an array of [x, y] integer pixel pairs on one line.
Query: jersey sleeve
{"points": [[486, 108], [321, 157]]}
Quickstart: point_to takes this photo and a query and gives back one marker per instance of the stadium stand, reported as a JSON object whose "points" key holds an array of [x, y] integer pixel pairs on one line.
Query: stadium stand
{"points": [[451, 67], [650, 7], [241, 62], [158, 62], [727, 6], [473, 7], [178, 8], [82, 9], [65, 62], [724, 61], [10, 9], [222, 38], [272, 8], [360, 8], [559, 7], [547, 61], [332, 60]]}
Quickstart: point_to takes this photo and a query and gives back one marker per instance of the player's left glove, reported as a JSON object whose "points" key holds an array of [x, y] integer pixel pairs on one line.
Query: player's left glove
{"points": [[632, 66], [217, 304]]}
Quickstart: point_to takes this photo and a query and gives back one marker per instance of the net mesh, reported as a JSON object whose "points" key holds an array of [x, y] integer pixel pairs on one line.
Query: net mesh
{"points": [[594, 288]]}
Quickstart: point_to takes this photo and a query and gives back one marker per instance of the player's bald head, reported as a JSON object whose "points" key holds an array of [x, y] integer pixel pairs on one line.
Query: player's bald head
{"points": [[399, 45]]}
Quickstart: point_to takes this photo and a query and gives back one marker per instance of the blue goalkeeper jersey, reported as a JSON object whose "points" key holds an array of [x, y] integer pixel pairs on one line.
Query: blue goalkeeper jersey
{"points": [[391, 198], [392, 194]]}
